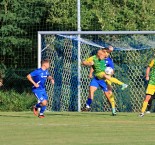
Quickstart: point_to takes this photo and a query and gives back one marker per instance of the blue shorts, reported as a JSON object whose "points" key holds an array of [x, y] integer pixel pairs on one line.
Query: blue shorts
{"points": [[95, 82], [41, 95]]}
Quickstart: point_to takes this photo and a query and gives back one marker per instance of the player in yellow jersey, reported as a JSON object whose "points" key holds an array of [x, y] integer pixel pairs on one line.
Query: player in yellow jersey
{"points": [[109, 63], [99, 64], [150, 75]]}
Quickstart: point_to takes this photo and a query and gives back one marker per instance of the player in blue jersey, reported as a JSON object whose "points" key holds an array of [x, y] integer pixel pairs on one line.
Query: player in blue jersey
{"points": [[38, 78]]}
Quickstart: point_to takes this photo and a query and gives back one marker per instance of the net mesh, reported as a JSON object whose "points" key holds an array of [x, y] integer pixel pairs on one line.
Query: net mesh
{"points": [[131, 57]]}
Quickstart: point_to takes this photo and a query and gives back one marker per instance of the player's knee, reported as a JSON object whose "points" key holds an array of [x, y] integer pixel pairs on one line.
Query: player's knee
{"points": [[148, 97], [44, 103], [107, 94]]}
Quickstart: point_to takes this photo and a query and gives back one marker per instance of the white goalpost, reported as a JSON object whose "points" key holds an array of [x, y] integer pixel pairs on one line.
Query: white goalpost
{"points": [[65, 49]]}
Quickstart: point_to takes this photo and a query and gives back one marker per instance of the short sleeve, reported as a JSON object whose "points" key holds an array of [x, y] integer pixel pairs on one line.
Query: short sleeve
{"points": [[151, 63], [90, 59], [110, 63], [34, 73]]}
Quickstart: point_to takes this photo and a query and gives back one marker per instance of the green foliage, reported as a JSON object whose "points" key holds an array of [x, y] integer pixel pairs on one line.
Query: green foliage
{"points": [[103, 15], [17, 20], [13, 101]]}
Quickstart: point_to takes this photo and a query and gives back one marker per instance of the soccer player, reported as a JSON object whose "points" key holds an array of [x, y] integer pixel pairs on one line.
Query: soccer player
{"points": [[150, 75], [99, 64], [109, 63], [38, 78]]}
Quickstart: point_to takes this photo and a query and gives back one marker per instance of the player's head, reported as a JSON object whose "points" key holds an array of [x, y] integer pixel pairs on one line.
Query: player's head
{"points": [[108, 50], [45, 63], [101, 54]]}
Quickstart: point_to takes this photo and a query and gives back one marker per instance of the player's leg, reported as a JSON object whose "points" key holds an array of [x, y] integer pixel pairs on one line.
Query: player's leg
{"points": [[43, 108], [43, 104], [38, 105], [102, 75], [92, 88], [149, 105], [42, 99], [112, 99], [150, 91], [107, 89], [145, 103]]}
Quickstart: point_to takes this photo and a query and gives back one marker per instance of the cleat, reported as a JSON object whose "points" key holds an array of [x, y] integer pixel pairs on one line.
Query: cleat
{"points": [[124, 86], [86, 108], [41, 116], [35, 111], [141, 114], [114, 114], [148, 112]]}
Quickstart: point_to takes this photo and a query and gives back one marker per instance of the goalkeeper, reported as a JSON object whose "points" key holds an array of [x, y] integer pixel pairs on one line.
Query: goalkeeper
{"points": [[38, 78], [150, 75], [99, 65]]}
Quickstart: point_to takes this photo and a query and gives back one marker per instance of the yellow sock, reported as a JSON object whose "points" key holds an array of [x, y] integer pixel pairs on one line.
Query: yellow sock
{"points": [[112, 101], [116, 81], [144, 106]]}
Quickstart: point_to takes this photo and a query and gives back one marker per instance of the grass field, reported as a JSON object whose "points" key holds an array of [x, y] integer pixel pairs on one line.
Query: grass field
{"points": [[72, 128]]}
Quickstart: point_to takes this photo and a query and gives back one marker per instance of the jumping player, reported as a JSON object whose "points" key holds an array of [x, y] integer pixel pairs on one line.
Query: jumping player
{"points": [[99, 65]]}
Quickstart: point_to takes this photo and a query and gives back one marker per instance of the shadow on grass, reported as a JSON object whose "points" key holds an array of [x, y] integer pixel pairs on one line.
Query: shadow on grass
{"points": [[82, 114], [16, 116]]}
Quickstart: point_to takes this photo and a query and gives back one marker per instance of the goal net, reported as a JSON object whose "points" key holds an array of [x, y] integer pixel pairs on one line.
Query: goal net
{"points": [[131, 55]]}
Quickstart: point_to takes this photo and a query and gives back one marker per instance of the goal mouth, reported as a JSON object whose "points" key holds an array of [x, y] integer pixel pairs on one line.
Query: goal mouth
{"points": [[131, 55]]}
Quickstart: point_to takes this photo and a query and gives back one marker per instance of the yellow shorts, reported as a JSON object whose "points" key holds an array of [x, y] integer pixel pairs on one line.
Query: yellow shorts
{"points": [[150, 89], [100, 75]]}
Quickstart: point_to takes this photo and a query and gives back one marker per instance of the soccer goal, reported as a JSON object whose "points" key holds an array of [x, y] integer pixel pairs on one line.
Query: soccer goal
{"points": [[132, 52]]}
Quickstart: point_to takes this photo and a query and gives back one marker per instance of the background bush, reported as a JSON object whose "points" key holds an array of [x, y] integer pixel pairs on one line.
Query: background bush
{"points": [[13, 101]]}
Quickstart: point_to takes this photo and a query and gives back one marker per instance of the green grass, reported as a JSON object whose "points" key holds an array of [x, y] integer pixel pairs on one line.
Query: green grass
{"points": [[72, 128]]}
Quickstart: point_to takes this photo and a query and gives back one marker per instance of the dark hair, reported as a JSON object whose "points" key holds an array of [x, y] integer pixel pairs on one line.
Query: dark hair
{"points": [[105, 48], [45, 61]]}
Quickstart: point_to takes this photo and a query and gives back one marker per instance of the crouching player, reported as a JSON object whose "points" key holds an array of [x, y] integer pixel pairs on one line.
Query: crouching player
{"points": [[38, 78]]}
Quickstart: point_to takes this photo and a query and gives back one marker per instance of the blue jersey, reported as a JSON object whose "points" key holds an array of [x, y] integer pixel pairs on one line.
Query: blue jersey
{"points": [[109, 62], [39, 76]]}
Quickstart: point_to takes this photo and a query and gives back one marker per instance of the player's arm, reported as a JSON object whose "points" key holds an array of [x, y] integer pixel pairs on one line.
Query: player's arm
{"points": [[1, 82], [88, 62], [91, 72], [29, 77], [148, 69], [147, 73], [51, 79]]}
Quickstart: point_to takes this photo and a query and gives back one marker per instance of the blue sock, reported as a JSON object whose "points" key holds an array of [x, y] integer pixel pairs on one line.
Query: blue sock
{"points": [[43, 108], [89, 101], [38, 105]]}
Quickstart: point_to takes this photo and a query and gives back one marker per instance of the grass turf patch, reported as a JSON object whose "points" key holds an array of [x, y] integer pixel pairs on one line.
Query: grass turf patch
{"points": [[73, 128]]}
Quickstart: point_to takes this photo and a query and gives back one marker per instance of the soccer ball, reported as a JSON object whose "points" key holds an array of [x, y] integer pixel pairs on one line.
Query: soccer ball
{"points": [[109, 71]]}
